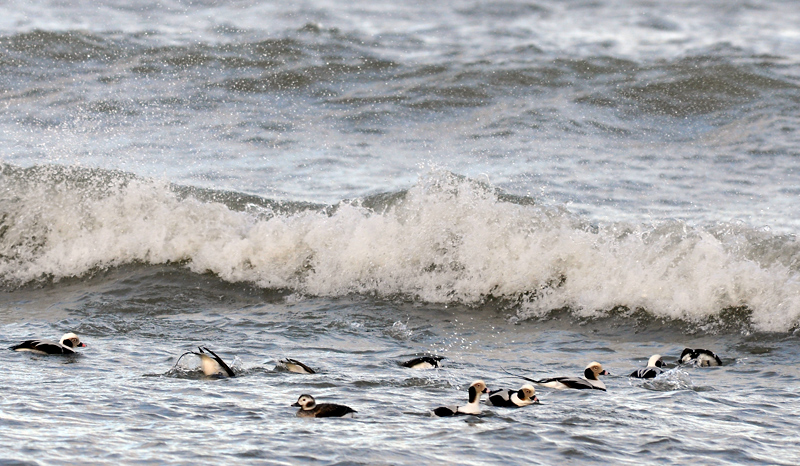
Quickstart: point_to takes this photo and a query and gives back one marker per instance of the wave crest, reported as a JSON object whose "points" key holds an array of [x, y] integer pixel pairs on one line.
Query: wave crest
{"points": [[446, 239]]}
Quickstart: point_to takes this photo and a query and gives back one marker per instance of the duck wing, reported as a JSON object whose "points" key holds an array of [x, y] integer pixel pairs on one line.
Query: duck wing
{"points": [[500, 398], [577, 383], [646, 373], [45, 346], [333, 410]]}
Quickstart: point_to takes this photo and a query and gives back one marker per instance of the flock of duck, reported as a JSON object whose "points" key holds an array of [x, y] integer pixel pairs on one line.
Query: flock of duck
{"points": [[213, 365]]}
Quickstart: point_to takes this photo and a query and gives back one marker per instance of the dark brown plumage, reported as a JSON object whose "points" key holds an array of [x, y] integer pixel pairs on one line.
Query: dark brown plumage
{"points": [[310, 408]]}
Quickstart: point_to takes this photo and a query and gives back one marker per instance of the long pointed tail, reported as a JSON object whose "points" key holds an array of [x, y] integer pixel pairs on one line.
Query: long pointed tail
{"points": [[219, 361], [521, 376]]}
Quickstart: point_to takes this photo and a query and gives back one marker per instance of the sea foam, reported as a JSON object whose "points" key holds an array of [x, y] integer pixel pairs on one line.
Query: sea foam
{"points": [[445, 239]]}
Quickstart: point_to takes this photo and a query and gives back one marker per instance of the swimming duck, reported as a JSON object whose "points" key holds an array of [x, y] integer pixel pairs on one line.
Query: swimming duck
{"points": [[513, 398], [67, 345], [699, 357], [211, 364], [310, 408], [654, 367], [423, 362], [293, 365], [589, 380], [476, 390]]}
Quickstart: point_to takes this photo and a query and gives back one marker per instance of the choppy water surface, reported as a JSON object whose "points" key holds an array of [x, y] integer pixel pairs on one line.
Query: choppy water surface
{"points": [[520, 185], [121, 400]]}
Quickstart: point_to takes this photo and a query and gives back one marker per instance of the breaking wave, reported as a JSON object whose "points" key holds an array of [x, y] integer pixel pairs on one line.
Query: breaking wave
{"points": [[445, 239]]}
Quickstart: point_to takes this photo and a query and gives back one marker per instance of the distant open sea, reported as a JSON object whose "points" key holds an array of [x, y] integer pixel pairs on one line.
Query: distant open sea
{"points": [[528, 186]]}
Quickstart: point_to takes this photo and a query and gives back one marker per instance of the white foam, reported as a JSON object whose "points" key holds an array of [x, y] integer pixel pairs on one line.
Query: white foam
{"points": [[450, 240]]}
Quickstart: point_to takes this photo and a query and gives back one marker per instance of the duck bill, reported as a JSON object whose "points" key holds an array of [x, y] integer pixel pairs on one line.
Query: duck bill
{"points": [[296, 405], [605, 372], [82, 345]]}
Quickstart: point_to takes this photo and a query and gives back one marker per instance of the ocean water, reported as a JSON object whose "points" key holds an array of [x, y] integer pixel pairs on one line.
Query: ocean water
{"points": [[521, 186]]}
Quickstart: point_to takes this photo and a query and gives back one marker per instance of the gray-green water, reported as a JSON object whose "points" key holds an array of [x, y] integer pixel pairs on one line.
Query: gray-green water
{"points": [[528, 185], [122, 401]]}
